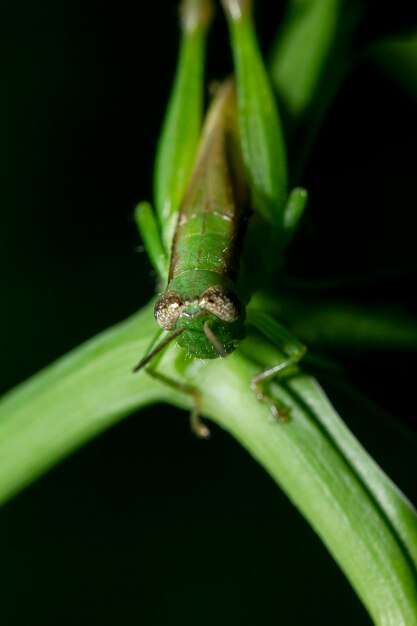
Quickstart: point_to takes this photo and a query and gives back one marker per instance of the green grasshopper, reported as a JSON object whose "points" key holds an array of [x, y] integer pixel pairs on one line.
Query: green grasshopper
{"points": [[222, 210]]}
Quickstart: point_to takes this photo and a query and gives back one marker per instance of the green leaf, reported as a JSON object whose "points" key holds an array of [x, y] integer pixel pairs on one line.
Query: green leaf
{"points": [[309, 60]]}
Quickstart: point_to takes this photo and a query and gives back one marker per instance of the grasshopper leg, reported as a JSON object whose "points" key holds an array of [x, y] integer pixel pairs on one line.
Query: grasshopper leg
{"points": [[150, 363], [292, 351], [261, 133], [197, 425], [259, 384], [181, 129]]}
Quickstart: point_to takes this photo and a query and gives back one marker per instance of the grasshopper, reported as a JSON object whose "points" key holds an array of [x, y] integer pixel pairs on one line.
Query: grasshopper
{"points": [[221, 204]]}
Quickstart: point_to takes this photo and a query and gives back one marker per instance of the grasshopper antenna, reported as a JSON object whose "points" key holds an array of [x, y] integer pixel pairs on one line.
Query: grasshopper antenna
{"points": [[157, 349], [214, 341]]}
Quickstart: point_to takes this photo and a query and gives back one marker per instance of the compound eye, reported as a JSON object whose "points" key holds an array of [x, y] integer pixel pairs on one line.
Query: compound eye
{"points": [[221, 302], [167, 310]]}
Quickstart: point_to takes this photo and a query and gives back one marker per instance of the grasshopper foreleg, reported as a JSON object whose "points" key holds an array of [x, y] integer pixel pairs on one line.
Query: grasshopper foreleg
{"points": [[150, 363], [197, 425]]}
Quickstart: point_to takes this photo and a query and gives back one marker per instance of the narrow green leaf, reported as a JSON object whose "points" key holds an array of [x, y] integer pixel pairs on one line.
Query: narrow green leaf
{"points": [[398, 58], [301, 51], [309, 60]]}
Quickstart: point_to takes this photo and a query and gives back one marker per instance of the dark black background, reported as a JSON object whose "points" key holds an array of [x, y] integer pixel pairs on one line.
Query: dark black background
{"points": [[147, 525]]}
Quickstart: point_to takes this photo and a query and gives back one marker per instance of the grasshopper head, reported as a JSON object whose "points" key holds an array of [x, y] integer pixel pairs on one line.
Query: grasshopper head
{"points": [[212, 321]]}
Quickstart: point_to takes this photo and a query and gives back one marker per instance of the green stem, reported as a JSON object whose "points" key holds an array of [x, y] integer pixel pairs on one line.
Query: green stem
{"points": [[365, 522], [71, 401]]}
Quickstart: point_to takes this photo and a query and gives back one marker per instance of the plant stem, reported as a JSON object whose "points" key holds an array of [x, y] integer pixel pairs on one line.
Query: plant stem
{"points": [[365, 522]]}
